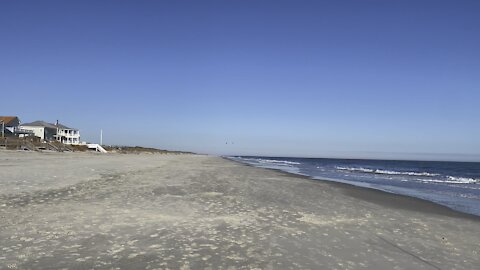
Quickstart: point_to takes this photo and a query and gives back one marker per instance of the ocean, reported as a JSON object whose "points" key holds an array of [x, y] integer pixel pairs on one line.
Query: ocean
{"points": [[453, 184]]}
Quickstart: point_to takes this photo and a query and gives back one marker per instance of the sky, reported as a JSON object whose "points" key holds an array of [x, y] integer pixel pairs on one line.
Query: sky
{"points": [[359, 79]]}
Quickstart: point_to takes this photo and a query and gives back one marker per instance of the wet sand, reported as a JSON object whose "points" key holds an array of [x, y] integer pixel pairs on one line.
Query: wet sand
{"points": [[151, 211]]}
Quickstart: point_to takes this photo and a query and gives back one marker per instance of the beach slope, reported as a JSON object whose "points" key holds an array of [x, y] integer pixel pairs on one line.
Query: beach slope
{"points": [[146, 211]]}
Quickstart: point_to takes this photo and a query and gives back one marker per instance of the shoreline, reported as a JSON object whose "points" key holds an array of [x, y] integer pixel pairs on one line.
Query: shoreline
{"points": [[379, 196], [370, 194]]}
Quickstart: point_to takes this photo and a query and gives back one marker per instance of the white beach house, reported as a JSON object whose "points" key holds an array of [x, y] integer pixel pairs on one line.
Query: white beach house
{"points": [[41, 129], [49, 132], [67, 135]]}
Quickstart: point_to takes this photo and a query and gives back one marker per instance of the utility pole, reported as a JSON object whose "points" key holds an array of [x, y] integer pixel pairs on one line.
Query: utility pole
{"points": [[101, 136], [3, 128]]}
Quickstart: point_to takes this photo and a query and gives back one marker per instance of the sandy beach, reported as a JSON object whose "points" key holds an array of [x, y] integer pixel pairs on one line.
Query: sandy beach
{"points": [[153, 211]]}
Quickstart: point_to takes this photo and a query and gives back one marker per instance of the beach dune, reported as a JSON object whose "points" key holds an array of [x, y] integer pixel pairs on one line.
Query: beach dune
{"points": [[152, 211]]}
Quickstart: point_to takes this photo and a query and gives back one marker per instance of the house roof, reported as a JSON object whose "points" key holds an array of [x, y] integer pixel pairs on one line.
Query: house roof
{"points": [[40, 123], [8, 119]]}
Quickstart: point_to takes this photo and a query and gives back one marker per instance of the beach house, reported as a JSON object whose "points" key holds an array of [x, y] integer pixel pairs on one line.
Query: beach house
{"points": [[49, 132], [45, 131], [67, 135], [8, 125]]}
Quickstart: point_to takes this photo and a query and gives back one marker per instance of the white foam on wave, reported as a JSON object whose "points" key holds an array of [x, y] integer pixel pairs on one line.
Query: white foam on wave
{"points": [[463, 180], [268, 161], [351, 169], [472, 181], [278, 161], [380, 171]]}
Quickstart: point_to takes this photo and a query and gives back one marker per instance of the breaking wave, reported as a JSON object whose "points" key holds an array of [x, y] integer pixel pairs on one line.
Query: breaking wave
{"points": [[451, 180], [463, 180], [278, 161], [448, 179], [379, 171]]}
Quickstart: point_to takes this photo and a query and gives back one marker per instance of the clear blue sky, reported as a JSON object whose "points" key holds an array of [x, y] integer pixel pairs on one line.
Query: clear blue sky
{"points": [[395, 79]]}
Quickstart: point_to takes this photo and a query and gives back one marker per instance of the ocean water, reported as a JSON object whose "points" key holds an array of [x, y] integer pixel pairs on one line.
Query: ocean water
{"points": [[453, 184]]}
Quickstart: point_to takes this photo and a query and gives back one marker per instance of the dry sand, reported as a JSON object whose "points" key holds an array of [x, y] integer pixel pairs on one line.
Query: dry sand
{"points": [[89, 211]]}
